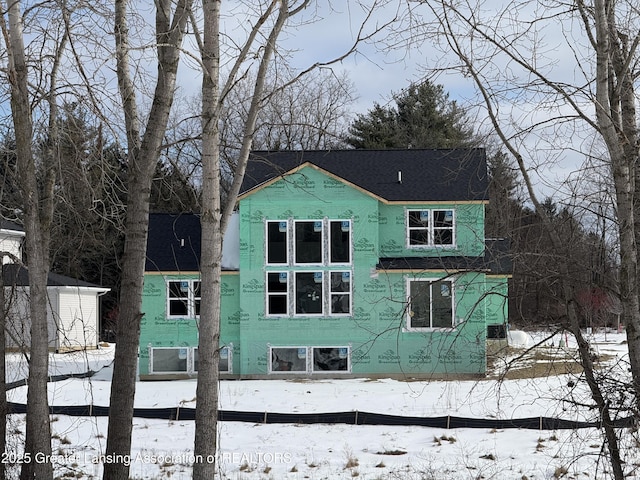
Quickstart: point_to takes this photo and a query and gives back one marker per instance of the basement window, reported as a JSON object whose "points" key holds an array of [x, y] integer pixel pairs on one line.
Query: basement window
{"points": [[169, 360], [332, 359], [288, 359]]}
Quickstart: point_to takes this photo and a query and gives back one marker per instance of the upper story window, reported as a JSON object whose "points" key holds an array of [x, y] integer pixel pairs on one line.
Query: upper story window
{"points": [[183, 298], [313, 274], [308, 242], [430, 228], [430, 304]]}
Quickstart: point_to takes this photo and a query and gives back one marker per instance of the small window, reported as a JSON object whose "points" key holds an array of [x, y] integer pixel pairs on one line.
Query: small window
{"points": [[169, 360], [340, 242], [340, 291], [225, 362], [288, 359], [277, 244], [277, 293], [443, 227], [308, 242], [430, 304], [309, 293], [183, 298], [334, 359], [430, 228]]}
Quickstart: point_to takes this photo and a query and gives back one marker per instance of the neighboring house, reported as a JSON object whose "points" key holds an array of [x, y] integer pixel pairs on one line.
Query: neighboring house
{"points": [[351, 263], [73, 312]]}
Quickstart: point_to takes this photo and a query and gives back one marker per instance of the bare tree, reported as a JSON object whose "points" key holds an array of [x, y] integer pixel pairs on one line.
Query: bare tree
{"points": [[273, 16], [144, 146], [512, 56]]}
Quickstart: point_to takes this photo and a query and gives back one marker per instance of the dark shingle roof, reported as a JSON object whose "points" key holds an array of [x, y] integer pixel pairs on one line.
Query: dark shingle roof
{"points": [[8, 225], [427, 175], [18, 275], [496, 260], [174, 243]]}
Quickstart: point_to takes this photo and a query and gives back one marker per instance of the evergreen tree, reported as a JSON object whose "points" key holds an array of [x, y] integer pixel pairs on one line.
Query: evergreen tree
{"points": [[422, 117]]}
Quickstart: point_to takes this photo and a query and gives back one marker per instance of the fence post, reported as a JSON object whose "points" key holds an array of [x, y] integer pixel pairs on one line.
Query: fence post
{"points": [[356, 417], [448, 421]]}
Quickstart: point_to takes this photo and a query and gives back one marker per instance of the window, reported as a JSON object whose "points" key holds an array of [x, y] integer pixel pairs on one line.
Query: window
{"points": [[225, 363], [277, 293], [430, 304], [334, 359], [277, 243], [309, 297], [309, 359], [183, 298], [308, 242], [316, 253], [426, 228], [340, 292], [340, 242], [169, 360], [288, 359], [184, 360]]}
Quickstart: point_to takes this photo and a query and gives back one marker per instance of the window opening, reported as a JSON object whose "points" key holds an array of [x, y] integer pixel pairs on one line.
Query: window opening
{"points": [[277, 244], [288, 359], [309, 293], [430, 304], [340, 292], [308, 242], [335, 359]]}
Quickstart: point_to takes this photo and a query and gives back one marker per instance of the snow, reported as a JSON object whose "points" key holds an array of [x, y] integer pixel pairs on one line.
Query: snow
{"points": [[164, 449]]}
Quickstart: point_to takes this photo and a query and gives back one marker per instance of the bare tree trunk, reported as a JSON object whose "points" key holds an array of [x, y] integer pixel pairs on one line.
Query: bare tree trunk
{"points": [[142, 157], [206, 440], [38, 437]]}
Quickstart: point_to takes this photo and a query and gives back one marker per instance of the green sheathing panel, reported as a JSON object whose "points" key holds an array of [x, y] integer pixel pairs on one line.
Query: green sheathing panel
{"points": [[496, 301], [375, 333], [469, 230], [159, 331], [307, 195], [391, 348]]}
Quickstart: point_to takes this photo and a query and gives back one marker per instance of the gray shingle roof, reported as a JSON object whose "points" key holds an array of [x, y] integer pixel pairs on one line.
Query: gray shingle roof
{"points": [[426, 175], [8, 225], [18, 275]]}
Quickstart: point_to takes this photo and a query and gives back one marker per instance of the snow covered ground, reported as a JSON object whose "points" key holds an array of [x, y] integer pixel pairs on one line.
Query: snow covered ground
{"points": [[164, 449]]}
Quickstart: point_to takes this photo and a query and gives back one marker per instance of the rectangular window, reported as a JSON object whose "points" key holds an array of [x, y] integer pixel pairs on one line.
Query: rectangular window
{"points": [[183, 298], [225, 364], [277, 243], [340, 242], [308, 242], [169, 360], [288, 359], [340, 291], [277, 293], [430, 304], [427, 228], [309, 296], [333, 359], [309, 359], [443, 227]]}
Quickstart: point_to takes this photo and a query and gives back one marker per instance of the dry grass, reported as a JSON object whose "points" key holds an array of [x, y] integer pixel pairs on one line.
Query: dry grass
{"points": [[513, 364]]}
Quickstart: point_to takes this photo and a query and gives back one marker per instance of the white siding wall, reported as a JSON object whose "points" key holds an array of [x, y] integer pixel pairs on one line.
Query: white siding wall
{"points": [[72, 318], [78, 320], [11, 242]]}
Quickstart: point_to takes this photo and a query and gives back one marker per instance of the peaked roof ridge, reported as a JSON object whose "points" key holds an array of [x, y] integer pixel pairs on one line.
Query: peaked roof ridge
{"points": [[410, 175]]}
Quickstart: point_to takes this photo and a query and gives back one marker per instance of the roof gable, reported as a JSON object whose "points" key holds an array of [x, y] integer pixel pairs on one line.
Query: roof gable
{"points": [[392, 175]]}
